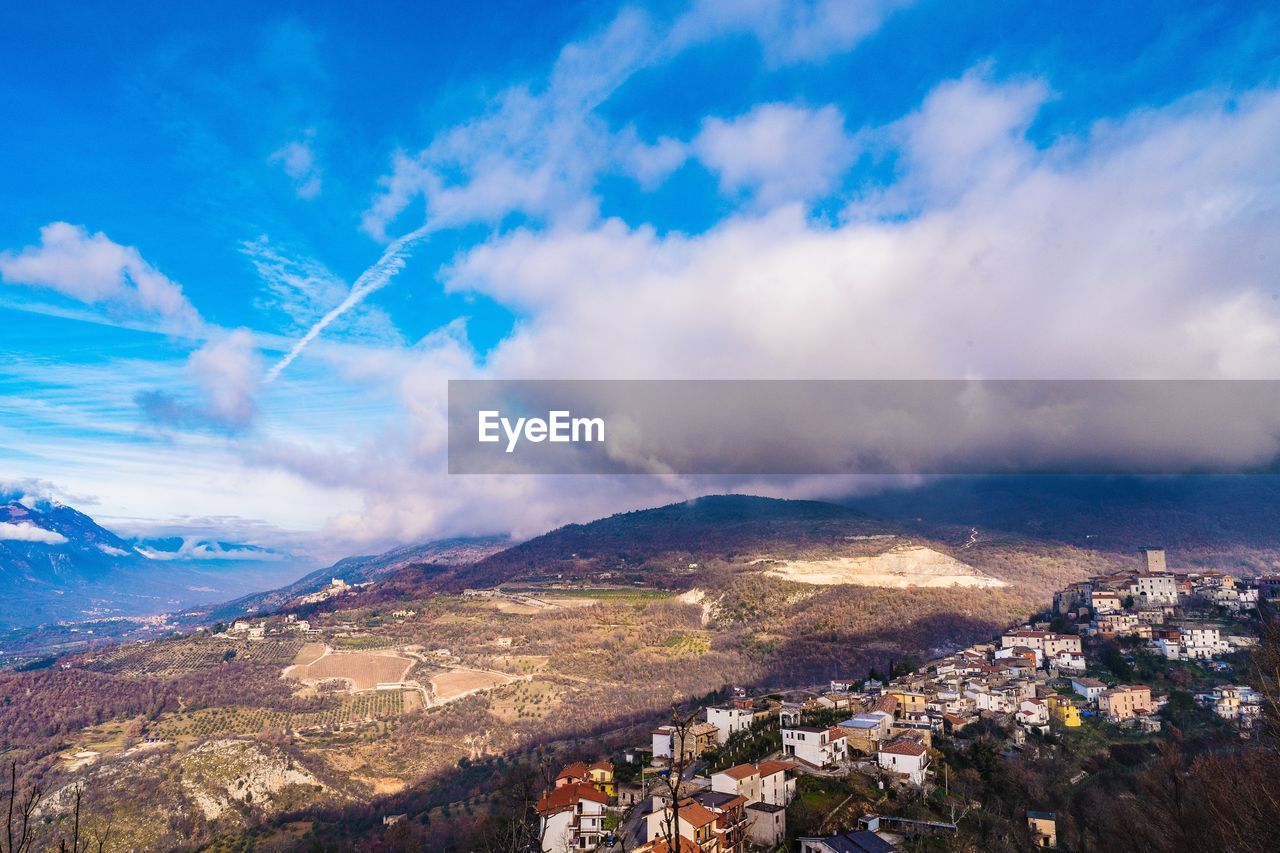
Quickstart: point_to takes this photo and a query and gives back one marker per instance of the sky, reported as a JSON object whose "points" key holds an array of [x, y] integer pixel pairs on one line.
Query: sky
{"points": [[243, 248]]}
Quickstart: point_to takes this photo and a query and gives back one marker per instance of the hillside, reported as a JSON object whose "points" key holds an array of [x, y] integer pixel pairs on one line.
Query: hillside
{"points": [[426, 558], [664, 544], [1222, 522], [596, 630]]}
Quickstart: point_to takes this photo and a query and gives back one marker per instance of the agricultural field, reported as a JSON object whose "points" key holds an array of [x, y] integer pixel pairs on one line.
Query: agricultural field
{"points": [[456, 683], [525, 700], [231, 721], [362, 670], [174, 658]]}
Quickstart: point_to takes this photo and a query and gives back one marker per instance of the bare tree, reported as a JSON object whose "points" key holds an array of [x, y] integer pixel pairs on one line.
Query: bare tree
{"points": [[20, 826], [683, 756], [97, 844]]}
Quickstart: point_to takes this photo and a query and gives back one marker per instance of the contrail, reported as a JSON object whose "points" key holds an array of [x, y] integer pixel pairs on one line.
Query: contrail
{"points": [[374, 278]]}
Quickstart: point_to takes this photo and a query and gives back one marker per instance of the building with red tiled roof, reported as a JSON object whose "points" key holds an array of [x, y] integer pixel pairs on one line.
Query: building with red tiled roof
{"points": [[572, 816], [906, 758]]}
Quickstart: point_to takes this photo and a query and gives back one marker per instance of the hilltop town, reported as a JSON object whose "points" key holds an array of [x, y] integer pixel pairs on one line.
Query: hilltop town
{"points": [[1119, 659]]}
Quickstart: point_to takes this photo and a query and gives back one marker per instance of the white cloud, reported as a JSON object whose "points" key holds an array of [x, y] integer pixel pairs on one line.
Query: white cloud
{"points": [[25, 531], [1136, 251], [298, 160], [789, 31], [778, 152], [196, 549], [93, 269], [228, 371]]}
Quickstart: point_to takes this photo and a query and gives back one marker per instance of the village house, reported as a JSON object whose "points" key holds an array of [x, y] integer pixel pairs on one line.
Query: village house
{"points": [[908, 759], [729, 720], [697, 825], [765, 782], [1044, 828], [1046, 642], [1155, 588], [572, 817], [865, 731], [698, 739], [766, 824], [1033, 715], [1064, 711], [1089, 688], [598, 774], [1123, 702], [816, 745]]}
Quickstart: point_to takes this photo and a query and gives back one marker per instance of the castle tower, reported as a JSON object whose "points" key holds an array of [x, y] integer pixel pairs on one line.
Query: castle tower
{"points": [[1153, 560]]}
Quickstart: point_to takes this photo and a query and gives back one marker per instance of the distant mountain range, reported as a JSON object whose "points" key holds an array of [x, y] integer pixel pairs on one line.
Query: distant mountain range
{"points": [[57, 564], [437, 555]]}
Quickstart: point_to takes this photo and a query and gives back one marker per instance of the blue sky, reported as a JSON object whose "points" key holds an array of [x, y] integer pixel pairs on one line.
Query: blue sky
{"points": [[830, 188]]}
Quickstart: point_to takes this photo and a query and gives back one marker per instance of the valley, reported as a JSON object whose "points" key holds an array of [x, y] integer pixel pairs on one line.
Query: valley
{"points": [[418, 691]]}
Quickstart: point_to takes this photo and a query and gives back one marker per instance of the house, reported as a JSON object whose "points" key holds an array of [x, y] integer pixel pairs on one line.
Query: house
{"points": [[1064, 711], [697, 824], [816, 745], [598, 774], [1105, 601], [731, 822], [1089, 688], [572, 817], [1070, 662], [742, 780], [1201, 642], [1047, 642], [843, 685], [1126, 701], [766, 824], [698, 739], [258, 632], [908, 702], [1033, 715], [1044, 828], [776, 787], [765, 782], [905, 758], [729, 720], [1155, 588], [857, 841], [865, 731]]}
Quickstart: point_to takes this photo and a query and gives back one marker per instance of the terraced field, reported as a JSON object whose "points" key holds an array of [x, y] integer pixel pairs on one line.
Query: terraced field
{"points": [[176, 658], [219, 722]]}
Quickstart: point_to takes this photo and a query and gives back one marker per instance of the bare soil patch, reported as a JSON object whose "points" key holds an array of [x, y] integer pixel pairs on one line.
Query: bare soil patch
{"points": [[362, 670], [899, 567]]}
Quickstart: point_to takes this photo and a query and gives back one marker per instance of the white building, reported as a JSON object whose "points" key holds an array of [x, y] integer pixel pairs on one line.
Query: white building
{"points": [[766, 782], [1089, 688], [572, 818], [1154, 588], [729, 720], [1202, 642], [816, 745], [907, 758]]}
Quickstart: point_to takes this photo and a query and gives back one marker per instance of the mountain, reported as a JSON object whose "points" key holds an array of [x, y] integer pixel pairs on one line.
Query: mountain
{"points": [[426, 557], [59, 564], [657, 544], [1202, 519]]}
